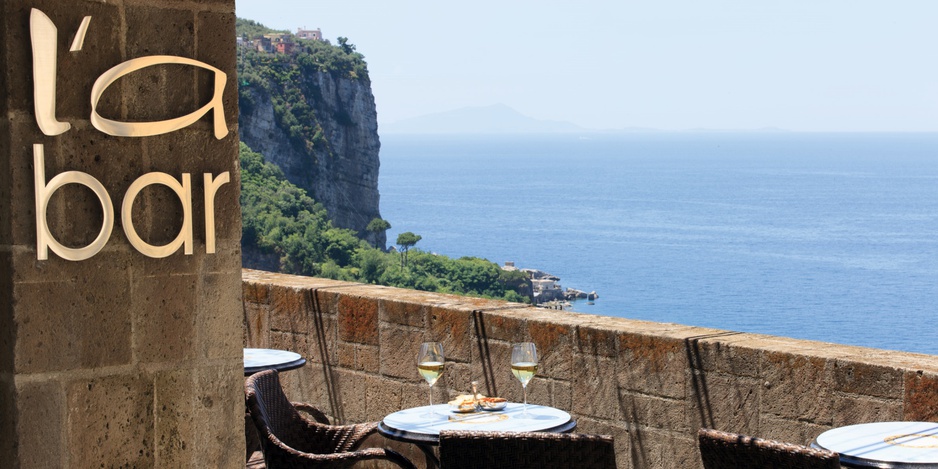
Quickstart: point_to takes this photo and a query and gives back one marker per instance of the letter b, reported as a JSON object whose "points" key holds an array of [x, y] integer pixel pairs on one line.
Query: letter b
{"points": [[44, 238]]}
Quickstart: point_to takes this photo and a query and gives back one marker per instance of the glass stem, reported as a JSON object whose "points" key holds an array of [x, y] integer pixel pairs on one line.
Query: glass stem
{"points": [[430, 392], [524, 390]]}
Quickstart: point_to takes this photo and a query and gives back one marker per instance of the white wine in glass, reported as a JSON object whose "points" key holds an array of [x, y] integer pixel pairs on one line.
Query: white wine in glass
{"points": [[430, 366], [524, 367]]}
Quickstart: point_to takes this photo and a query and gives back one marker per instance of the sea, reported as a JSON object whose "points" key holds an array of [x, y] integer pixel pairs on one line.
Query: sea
{"points": [[829, 237]]}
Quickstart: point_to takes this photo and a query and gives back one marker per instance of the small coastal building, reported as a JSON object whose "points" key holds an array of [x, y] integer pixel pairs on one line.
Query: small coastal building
{"points": [[312, 34], [280, 42], [263, 44]]}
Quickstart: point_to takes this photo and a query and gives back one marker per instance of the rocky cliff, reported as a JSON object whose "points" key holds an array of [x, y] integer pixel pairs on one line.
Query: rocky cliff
{"points": [[333, 152]]}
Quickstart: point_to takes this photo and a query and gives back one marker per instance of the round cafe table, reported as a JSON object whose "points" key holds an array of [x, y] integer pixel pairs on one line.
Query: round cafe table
{"points": [[897, 445], [260, 359], [414, 426]]}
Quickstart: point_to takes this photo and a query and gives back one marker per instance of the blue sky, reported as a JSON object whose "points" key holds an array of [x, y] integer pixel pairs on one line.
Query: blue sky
{"points": [[831, 65]]}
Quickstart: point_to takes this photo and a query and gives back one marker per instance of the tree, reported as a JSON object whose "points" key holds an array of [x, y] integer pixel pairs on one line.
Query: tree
{"points": [[343, 43], [376, 226], [406, 240]]}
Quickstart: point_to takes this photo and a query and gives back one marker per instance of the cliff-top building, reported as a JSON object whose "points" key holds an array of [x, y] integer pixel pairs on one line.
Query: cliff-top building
{"points": [[314, 34]]}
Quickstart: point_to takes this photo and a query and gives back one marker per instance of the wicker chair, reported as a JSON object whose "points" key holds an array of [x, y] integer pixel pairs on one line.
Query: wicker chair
{"points": [[522, 450], [719, 450], [289, 440]]}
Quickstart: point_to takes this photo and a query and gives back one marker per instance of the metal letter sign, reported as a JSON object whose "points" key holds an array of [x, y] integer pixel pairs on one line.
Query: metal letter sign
{"points": [[44, 36]]}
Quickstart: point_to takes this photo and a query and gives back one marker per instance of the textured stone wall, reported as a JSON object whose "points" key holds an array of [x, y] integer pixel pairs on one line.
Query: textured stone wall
{"points": [[651, 385], [119, 360]]}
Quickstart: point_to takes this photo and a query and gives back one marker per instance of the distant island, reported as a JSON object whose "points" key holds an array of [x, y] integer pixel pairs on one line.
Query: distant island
{"points": [[494, 119], [500, 119]]}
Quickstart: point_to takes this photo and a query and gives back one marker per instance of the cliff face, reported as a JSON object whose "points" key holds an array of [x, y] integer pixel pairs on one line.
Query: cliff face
{"points": [[339, 169]]}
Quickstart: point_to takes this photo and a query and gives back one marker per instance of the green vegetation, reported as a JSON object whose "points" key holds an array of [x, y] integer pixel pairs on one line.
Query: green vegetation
{"points": [[378, 225], [406, 240], [281, 219]]}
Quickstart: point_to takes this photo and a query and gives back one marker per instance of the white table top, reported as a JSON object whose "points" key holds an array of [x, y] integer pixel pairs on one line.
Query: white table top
{"points": [[415, 421], [902, 444], [259, 359]]}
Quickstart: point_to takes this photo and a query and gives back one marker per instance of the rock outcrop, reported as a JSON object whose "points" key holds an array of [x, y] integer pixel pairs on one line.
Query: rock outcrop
{"points": [[340, 171]]}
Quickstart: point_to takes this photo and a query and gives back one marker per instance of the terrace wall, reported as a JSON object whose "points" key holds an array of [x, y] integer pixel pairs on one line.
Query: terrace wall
{"points": [[650, 385]]}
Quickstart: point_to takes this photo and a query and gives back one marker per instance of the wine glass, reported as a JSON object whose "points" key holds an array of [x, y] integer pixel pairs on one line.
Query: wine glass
{"points": [[524, 366], [430, 366]]}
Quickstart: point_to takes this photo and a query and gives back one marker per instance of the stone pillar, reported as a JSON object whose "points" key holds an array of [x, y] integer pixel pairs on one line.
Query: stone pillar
{"points": [[119, 359]]}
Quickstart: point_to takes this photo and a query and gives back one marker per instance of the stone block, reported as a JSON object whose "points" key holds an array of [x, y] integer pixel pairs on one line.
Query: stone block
{"points": [[725, 402], [539, 391], [346, 355], [219, 324], [399, 348], [732, 353], [311, 383], [416, 395], [256, 292], [299, 343], [289, 310], [501, 326], [797, 387], [850, 409], [405, 313], [26, 269], [596, 341], [661, 449], [790, 431], [382, 397], [596, 393], [256, 325], [110, 419], [652, 365], [39, 424], [326, 302], [176, 422], [496, 371], [457, 379], [324, 339], [81, 323], [367, 358], [227, 256], [358, 319], [555, 344], [921, 397], [453, 329], [351, 390], [618, 431], [561, 394], [164, 319], [868, 379], [654, 412], [215, 30], [219, 410]]}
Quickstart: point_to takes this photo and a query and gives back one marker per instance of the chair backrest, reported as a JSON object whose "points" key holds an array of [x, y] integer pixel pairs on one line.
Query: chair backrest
{"points": [[520, 450], [720, 450], [274, 415]]}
